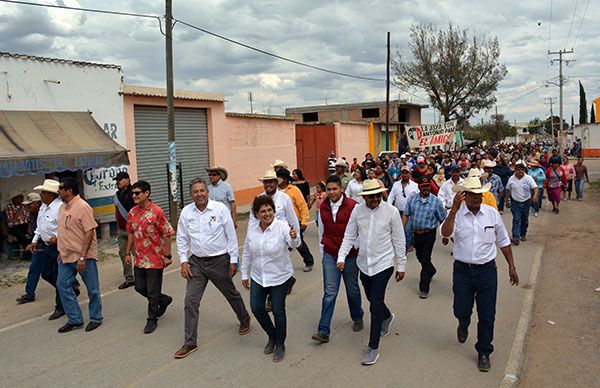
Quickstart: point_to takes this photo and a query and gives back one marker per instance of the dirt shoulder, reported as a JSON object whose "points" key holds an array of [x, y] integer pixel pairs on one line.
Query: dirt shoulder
{"points": [[564, 340]]}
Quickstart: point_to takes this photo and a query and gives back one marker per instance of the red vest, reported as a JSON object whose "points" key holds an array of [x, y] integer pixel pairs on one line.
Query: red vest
{"points": [[333, 232]]}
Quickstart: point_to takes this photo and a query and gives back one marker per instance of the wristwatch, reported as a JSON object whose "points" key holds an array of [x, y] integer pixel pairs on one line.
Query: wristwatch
{"points": [[82, 259]]}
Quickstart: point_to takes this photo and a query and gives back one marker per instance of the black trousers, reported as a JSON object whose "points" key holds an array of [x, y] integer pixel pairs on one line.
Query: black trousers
{"points": [[424, 247], [148, 283], [20, 233], [375, 291], [304, 251]]}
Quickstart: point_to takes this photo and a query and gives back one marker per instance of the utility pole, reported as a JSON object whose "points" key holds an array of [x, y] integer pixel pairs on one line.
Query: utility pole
{"points": [[551, 118], [387, 96], [172, 175], [250, 99], [561, 82]]}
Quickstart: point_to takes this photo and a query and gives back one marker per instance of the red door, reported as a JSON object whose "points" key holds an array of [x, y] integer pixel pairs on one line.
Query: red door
{"points": [[313, 145]]}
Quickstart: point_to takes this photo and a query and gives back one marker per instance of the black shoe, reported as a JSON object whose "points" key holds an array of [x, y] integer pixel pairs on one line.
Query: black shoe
{"points": [[484, 363], [462, 334], [279, 353], [150, 327], [92, 326], [357, 325], [163, 307], [291, 285], [423, 294], [515, 241], [56, 314], [24, 299], [70, 326], [126, 285], [270, 346], [320, 337]]}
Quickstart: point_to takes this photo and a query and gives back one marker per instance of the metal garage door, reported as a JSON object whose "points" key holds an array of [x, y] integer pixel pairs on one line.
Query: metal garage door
{"points": [[191, 134]]}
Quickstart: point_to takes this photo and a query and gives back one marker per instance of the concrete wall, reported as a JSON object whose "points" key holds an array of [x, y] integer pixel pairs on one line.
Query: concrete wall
{"points": [[590, 139], [352, 140], [248, 146]]}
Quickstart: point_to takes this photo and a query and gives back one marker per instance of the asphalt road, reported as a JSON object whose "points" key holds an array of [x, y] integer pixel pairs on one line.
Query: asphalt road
{"points": [[421, 351]]}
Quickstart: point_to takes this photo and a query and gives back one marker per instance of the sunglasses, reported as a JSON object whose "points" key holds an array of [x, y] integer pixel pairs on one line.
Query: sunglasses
{"points": [[136, 193]]}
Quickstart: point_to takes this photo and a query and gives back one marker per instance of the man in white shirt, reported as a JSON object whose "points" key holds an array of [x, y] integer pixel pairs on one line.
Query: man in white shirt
{"points": [[519, 199], [43, 246], [376, 251], [284, 208], [208, 250], [401, 192], [445, 193], [477, 229]]}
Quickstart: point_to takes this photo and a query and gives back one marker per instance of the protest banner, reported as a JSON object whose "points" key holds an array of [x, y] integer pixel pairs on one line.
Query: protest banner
{"points": [[431, 135]]}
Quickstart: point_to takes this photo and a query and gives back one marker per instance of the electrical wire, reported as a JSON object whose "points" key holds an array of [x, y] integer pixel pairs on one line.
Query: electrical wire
{"points": [[581, 24], [549, 35], [571, 26], [522, 96], [82, 9]]}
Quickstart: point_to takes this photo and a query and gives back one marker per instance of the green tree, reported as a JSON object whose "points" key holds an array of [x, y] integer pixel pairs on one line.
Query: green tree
{"points": [[556, 120], [535, 125], [460, 71], [583, 119]]}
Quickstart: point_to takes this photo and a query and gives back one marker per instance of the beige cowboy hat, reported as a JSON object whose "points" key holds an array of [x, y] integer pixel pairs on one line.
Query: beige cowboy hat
{"points": [[50, 185], [31, 198], [371, 186], [488, 164], [280, 163], [474, 173], [269, 176], [221, 170], [472, 184], [341, 163]]}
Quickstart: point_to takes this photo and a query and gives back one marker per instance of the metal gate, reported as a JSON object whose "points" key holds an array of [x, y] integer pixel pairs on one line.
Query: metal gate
{"points": [[191, 134], [313, 144]]}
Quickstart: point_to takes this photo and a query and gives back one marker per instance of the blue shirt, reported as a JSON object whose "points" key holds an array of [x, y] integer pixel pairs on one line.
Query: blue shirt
{"points": [[221, 192], [497, 185], [425, 213], [539, 176]]}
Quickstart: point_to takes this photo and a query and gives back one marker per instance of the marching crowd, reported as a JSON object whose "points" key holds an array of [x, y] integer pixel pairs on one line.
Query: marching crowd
{"points": [[368, 216]]}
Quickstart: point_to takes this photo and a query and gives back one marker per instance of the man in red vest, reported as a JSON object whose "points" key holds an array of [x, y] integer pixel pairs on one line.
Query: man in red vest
{"points": [[334, 214]]}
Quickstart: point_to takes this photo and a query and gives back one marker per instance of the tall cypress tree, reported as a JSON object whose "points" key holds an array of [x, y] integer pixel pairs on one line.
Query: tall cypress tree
{"points": [[592, 115], [582, 105], [572, 122]]}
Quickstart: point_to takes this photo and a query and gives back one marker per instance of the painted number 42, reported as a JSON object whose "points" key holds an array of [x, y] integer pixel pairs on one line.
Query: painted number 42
{"points": [[111, 130]]}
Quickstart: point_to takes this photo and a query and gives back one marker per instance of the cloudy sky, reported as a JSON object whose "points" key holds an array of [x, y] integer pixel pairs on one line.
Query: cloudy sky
{"points": [[347, 36]]}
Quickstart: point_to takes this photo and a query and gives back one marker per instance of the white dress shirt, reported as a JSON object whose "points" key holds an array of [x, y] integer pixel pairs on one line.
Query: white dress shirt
{"points": [[476, 236], [355, 187], [520, 189], [206, 233], [380, 234], [399, 197], [446, 194], [284, 210], [266, 258], [47, 219]]}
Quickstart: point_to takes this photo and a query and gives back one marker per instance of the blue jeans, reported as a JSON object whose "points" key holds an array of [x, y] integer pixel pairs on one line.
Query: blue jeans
{"points": [[375, 291], [44, 264], [520, 219], [476, 284], [64, 283], [258, 296], [579, 187], [331, 287], [537, 206]]}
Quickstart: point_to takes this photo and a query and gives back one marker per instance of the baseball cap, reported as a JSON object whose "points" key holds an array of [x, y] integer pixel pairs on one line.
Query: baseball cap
{"points": [[424, 181], [420, 159]]}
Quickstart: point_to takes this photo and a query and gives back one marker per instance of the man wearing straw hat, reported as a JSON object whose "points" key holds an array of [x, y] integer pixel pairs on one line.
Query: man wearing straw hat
{"points": [[221, 191], [341, 170], [477, 229], [279, 164], [17, 218], [377, 227]]}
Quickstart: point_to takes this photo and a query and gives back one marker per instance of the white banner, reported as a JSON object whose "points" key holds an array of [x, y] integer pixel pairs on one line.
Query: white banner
{"points": [[431, 135]]}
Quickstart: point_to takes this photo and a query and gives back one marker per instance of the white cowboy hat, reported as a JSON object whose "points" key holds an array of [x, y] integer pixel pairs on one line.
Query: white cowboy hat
{"points": [[371, 186], [50, 185], [489, 163], [31, 197], [474, 173], [269, 176], [221, 170], [472, 185], [341, 163], [280, 163]]}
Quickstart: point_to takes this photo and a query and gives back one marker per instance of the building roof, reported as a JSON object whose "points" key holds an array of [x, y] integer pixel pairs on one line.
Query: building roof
{"points": [[58, 60], [357, 105], [258, 116], [146, 91]]}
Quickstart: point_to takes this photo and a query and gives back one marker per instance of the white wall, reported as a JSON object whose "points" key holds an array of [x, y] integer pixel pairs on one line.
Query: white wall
{"points": [[31, 84]]}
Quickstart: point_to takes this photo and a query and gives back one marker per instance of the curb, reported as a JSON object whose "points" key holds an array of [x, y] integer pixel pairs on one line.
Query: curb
{"points": [[515, 359]]}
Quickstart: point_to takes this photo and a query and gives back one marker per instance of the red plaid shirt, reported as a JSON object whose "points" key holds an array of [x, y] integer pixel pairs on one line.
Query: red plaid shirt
{"points": [[16, 215], [149, 227]]}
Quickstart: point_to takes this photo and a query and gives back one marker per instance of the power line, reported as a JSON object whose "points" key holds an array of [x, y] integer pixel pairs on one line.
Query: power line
{"points": [[549, 35], [571, 26], [581, 23], [523, 96], [82, 9]]}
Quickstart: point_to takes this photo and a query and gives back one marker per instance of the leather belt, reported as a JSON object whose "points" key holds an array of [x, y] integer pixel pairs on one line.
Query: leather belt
{"points": [[209, 258], [488, 264], [423, 231]]}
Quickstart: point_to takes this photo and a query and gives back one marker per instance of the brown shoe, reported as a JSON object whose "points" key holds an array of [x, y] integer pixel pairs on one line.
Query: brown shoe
{"points": [[245, 327], [185, 351]]}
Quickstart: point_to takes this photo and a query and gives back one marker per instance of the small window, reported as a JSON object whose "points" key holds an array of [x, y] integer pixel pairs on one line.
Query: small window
{"points": [[310, 116], [370, 113], [403, 115]]}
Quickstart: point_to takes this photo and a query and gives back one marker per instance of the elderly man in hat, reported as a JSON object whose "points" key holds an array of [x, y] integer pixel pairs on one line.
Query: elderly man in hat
{"points": [[17, 218], [43, 246], [519, 200], [497, 188], [33, 201], [426, 212], [221, 191], [341, 170], [477, 230], [123, 201], [375, 260], [301, 210], [279, 164]]}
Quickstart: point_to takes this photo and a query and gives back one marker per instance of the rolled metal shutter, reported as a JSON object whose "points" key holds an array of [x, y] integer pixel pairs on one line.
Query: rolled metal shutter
{"points": [[191, 135]]}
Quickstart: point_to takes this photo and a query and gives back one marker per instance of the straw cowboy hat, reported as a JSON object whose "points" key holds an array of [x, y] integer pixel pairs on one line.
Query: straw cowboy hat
{"points": [[341, 163], [472, 184], [269, 176], [31, 198], [50, 185], [280, 163], [371, 186], [489, 164], [13, 194], [221, 170], [474, 173]]}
